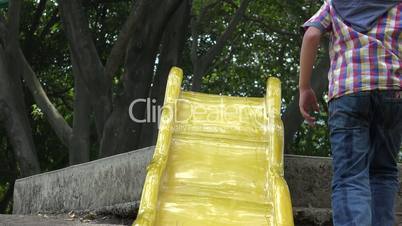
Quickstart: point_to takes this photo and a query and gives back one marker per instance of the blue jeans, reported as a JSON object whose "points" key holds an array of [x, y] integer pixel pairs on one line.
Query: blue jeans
{"points": [[365, 134]]}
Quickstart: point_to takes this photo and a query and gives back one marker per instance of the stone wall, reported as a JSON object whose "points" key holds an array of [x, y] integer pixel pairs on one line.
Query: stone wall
{"points": [[93, 185], [118, 180], [309, 180]]}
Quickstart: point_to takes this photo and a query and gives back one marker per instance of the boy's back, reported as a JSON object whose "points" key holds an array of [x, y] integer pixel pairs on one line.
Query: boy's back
{"points": [[362, 61], [365, 104]]}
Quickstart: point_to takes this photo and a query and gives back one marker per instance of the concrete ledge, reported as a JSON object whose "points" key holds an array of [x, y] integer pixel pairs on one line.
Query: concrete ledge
{"points": [[107, 185], [309, 179], [52, 220], [93, 185], [305, 216]]}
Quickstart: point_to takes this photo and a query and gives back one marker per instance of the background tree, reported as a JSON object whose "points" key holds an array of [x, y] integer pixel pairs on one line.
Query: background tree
{"points": [[69, 69]]}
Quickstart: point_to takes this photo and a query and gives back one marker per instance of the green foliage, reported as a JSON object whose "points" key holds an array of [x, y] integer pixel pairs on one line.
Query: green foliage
{"points": [[266, 43], [3, 4], [313, 141]]}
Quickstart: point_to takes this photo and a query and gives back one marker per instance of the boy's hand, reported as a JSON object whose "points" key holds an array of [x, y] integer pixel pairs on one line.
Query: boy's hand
{"points": [[308, 100], [308, 103]]}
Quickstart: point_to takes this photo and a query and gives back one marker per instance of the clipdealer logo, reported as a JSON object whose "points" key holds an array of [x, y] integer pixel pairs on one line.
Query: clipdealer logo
{"points": [[152, 113], [234, 115]]}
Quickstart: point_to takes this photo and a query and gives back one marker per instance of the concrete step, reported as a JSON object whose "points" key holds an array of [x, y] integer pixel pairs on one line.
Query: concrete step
{"points": [[89, 186], [305, 216], [112, 187]]}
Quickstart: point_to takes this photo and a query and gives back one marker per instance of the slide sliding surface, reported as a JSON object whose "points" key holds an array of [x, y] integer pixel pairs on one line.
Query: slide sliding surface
{"points": [[218, 161]]}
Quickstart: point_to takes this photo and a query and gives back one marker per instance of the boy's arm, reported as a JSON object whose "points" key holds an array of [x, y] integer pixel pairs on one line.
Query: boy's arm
{"points": [[308, 100]]}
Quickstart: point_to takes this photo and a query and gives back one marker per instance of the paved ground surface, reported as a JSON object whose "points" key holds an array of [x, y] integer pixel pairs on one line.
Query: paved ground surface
{"points": [[399, 218], [304, 217], [321, 217], [66, 219]]}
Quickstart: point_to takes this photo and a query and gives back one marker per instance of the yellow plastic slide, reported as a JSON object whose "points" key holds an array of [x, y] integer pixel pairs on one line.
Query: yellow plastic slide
{"points": [[218, 161]]}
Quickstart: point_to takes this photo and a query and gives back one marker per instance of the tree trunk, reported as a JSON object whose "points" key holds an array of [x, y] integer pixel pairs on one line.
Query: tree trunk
{"points": [[55, 119], [121, 133], [80, 140], [10, 39], [199, 70], [12, 105], [14, 116], [9, 173], [172, 46], [89, 65]]}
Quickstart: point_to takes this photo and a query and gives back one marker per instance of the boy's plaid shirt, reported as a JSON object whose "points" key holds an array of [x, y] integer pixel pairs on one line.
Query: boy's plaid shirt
{"points": [[361, 62]]}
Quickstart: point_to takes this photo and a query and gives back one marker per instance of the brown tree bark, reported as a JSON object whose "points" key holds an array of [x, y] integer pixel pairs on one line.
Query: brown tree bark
{"points": [[13, 115], [9, 172], [121, 133], [79, 147], [10, 39], [88, 65], [118, 52], [172, 46], [12, 106], [56, 120], [30, 37], [77, 141]]}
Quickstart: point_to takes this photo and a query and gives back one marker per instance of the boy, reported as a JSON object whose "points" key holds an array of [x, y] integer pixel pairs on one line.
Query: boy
{"points": [[365, 104]]}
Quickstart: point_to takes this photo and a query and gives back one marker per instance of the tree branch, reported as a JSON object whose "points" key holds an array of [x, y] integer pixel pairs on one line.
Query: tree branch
{"points": [[13, 24], [36, 19], [53, 19], [172, 45], [201, 64], [116, 57], [13, 112], [194, 42], [79, 149], [56, 120], [232, 3], [122, 134], [59, 92], [89, 65], [97, 2], [269, 28], [206, 8], [195, 24], [3, 31], [220, 44]]}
